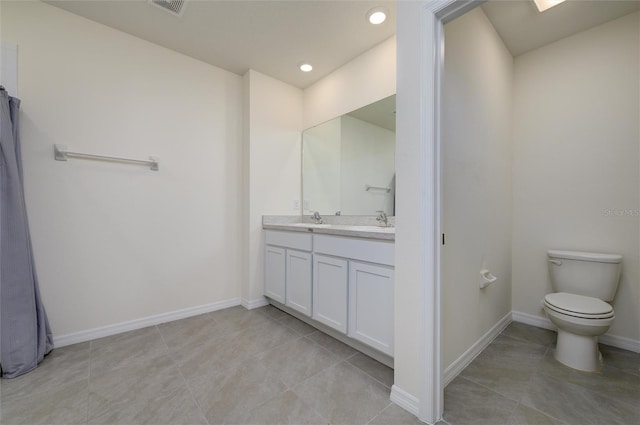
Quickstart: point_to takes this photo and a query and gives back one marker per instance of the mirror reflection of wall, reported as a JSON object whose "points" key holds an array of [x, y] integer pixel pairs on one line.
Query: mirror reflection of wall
{"points": [[349, 163]]}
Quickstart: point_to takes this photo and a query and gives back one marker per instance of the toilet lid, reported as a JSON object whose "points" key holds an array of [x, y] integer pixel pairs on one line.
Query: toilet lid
{"points": [[578, 305]]}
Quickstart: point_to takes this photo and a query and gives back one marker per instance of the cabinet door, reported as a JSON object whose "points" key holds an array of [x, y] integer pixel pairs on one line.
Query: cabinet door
{"points": [[330, 291], [371, 305], [299, 281], [274, 273]]}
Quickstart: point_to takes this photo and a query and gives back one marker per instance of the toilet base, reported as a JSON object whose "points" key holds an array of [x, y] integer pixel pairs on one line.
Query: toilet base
{"points": [[578, 351]]}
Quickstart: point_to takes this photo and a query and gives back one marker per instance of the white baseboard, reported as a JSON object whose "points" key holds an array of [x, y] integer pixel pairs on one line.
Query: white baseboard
{"points": [[620, 342], [257, 303], [467, 357], [533, 320], [607, 339], [90, 334], [405, 400]]}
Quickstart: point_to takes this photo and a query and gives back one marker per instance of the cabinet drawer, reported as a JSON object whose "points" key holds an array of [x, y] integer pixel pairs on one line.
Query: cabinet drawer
{"points": [[296, 240], [358, 249]]}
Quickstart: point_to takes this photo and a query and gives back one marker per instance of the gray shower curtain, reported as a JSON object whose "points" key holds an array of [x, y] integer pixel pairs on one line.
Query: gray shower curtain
{"points": [[25, 336]]}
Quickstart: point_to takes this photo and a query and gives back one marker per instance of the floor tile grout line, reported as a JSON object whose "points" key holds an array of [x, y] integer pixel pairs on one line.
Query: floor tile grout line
{"points": [[364, 372], [488, 388], [513, 410], [313, 409], [591, 391], [368, 374], [539, 331], [256, 355], [515, 338], [326, 349], [542, 412], [184, 380], [379, 413], [315, 374], [340, 360]]}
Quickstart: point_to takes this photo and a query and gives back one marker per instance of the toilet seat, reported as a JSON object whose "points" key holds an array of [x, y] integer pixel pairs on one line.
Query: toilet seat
{"points": [[578, 306]]}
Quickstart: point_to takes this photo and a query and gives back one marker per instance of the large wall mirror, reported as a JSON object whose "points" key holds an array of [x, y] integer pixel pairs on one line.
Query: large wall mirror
{"points": [[348, 163]]}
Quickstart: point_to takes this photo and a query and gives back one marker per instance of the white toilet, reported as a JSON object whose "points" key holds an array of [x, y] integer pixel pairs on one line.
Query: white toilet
{"points": [[583, 281]]}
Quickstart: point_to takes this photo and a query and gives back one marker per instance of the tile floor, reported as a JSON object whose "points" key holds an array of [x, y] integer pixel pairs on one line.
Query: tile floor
{"points": [[516, 380], [265, 367]]}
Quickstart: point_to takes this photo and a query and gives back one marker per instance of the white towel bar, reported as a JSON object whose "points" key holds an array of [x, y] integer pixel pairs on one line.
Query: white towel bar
{"points": [[368, 188], [61, 153]]}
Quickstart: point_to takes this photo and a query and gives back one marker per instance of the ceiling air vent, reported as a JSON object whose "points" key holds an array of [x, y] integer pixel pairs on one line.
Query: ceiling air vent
{"points": [[175, 7]]}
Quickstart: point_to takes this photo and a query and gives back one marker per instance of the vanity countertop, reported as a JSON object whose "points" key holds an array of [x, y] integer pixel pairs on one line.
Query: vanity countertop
{"points": [[349, 227]]}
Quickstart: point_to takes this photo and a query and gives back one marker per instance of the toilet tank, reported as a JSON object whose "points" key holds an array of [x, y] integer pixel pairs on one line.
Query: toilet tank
{"points": [[585, 273]]}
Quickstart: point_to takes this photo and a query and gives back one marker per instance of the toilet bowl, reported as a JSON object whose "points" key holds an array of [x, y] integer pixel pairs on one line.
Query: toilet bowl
{"points": [[580, 321], [583, 281]]}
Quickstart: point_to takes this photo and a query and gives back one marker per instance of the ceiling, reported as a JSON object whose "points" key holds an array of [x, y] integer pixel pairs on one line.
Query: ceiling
{"points": [[274, 36], [523, 28], [269, 36]]}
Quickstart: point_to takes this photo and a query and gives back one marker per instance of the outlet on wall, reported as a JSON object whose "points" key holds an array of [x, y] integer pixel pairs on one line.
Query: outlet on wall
{"points": [[296, 204]]}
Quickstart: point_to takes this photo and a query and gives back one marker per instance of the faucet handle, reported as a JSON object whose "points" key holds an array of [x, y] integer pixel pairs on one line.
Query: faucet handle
{"points": [[382, 218], [316, 216]]}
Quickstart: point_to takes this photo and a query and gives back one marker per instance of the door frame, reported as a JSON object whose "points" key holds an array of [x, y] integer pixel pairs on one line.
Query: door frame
{"points": [[420, 56]]}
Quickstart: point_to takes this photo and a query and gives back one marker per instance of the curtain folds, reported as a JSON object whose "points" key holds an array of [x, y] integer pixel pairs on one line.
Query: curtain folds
{"points": [[25, 335]]}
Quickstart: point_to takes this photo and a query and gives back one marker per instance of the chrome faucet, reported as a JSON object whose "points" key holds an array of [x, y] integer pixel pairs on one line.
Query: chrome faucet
{"points": [[317, 218], [383, 219]]}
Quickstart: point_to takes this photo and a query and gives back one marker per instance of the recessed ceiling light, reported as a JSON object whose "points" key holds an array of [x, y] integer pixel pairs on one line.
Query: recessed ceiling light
{"points": [[543, 5], [305, 67], [377, 15]]}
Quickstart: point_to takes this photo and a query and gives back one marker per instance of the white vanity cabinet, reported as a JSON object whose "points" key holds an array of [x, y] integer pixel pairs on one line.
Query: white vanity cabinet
{"points": [[330, 291], [298, 272], [371, 305], [287, 269], [274, 273], [353, 288], [342, 282]]}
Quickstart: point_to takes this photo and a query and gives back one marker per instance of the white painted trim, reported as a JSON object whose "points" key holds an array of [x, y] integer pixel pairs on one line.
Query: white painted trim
{"points": [[257, 303], [91, 334], [607, 339], [468, 356], [620, 342], [417, 84], [530, 319], [425, 41], [405, 400]]}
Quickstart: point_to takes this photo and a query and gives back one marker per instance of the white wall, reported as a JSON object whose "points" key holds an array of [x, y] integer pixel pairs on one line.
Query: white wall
{"points": [[9, 67], [476, 181], [118, 242], [362, 81], [410, 272], [576, 161], [273, 129], [367, 156]]}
